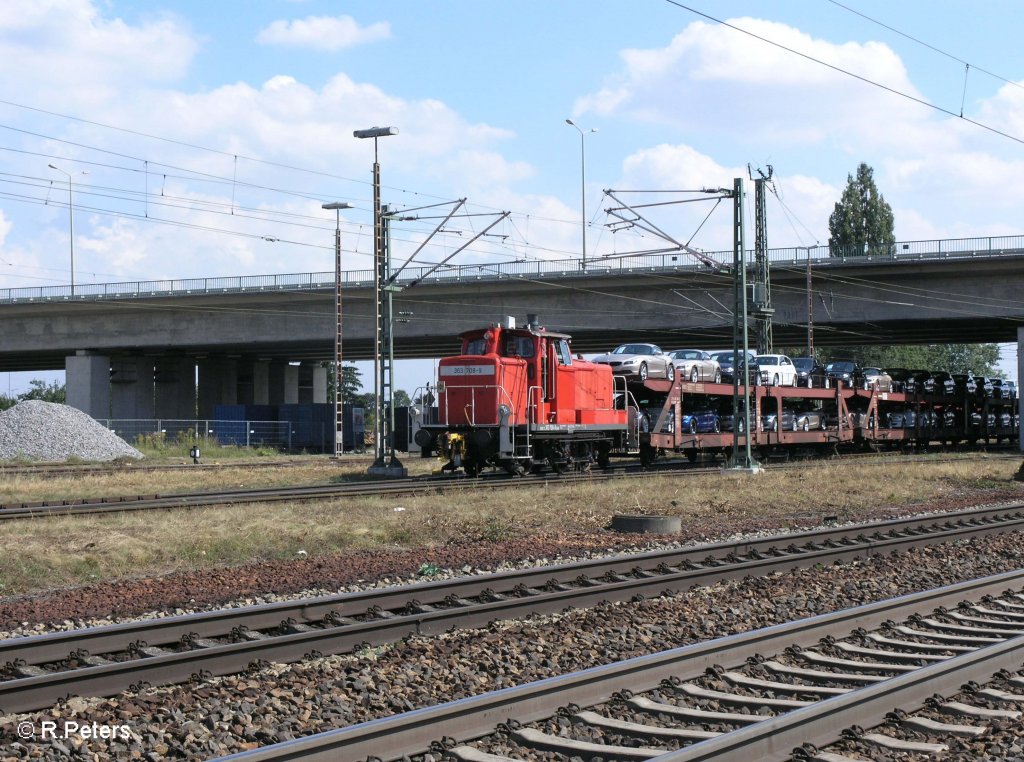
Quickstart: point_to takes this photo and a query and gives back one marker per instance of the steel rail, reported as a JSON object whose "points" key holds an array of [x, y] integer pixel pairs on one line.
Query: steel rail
{"points": [[412, 733], [434, 607], [415, 485], [823, 722]]}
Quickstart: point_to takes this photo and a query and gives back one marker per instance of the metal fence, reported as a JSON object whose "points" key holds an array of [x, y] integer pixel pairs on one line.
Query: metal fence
{"points": [[956, 248], [281, 435]]}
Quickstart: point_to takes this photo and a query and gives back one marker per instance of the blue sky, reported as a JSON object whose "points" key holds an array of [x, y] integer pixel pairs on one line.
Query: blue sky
{"points": [[216, 98]]}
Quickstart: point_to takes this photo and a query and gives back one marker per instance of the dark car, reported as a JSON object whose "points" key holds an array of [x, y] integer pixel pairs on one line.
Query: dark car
{"points": [[965, 383], [909, 419], [725, 420], [701, 421], [944, 383], [894, 420], [811, 373], [727, 363], [925, 382], [904, 380], [845, 373], [1009, 390], [985, 386]]}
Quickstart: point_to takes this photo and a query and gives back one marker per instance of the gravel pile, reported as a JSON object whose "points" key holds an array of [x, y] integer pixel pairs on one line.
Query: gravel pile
{"points": [[46, 431]]}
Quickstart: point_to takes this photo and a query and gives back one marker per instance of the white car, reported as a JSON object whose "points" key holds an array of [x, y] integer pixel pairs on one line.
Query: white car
{"points": [[776, 370]]}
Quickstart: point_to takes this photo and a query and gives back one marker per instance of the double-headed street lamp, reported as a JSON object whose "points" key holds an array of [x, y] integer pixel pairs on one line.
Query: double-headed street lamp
{"points": [[385, 463], [71, 223], [583, 184], [339, 410]]}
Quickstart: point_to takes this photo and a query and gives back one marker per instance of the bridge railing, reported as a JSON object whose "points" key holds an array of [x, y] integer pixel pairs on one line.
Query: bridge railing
{"points": [[956, 248]]}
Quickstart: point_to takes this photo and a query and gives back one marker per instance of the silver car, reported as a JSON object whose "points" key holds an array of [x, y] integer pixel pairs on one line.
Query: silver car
{"points": [[639, 361], [696, 365]]}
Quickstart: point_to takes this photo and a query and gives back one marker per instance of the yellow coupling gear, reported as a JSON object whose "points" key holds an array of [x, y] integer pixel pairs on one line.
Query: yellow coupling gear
{"points": [[453, 447]]}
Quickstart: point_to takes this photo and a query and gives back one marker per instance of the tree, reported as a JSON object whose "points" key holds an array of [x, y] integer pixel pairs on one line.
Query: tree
{"points": [[350, 382], [52, 392], [980, 359], [861, 223]]}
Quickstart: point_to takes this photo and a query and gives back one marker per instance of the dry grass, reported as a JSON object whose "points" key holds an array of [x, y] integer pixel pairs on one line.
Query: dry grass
{"points": [[64, 551], [248, 474]]}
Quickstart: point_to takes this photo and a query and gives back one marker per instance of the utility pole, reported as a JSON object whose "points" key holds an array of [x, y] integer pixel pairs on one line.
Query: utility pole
{"points": [[762, 296], [741, 460], [810, 308]]}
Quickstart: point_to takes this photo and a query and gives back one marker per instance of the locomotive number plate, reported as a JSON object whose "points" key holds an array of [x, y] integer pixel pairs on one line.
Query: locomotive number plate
{"points": [[467, 370]]}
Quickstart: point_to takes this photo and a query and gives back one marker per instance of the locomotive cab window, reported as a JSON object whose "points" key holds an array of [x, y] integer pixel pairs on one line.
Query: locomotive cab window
{"points": [[476, 346], [564, 355], [520, 346]]}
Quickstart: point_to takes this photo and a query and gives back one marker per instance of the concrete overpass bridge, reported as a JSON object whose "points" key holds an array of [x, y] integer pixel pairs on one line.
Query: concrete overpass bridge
{"points": [[133, 348]]}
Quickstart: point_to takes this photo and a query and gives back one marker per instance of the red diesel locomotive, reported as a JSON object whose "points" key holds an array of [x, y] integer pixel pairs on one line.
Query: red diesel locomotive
{"points": [[518, 399]]}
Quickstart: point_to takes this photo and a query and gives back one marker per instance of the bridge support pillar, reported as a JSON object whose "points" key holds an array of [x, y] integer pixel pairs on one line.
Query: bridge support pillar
{"points": [[218, 384], [175, 390], [131, 388], [254, 382], [312, 384], [284, 384], [88, 383]]}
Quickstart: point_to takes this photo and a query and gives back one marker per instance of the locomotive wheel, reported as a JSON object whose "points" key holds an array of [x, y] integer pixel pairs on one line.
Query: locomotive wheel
{"points": [[642, 372], [472, 467], [694, 375], [603, 459]]}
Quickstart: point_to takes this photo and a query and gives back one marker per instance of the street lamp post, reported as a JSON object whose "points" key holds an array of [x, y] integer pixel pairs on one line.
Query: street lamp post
{"points": [[339, 410], [384, 463], [71, 222], [583, 185]]}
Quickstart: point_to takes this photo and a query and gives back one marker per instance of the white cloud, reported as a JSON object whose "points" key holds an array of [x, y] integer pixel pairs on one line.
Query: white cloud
{"points": [[330, 33], [711, 80], [78, 58]]}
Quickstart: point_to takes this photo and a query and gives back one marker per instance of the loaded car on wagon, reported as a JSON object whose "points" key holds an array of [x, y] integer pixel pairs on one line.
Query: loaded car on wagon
{"points": [[639, 362]]}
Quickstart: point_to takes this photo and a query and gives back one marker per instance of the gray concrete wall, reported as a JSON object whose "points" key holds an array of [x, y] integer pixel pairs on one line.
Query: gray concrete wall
{"points": [[175, 388], [218, 384], [132, 387], [88, 384]]}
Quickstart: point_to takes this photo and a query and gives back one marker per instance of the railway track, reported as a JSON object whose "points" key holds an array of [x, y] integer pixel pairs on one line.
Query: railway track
{"points": [[757, 695], [415, 485], [94, 469], [106, 660]]}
